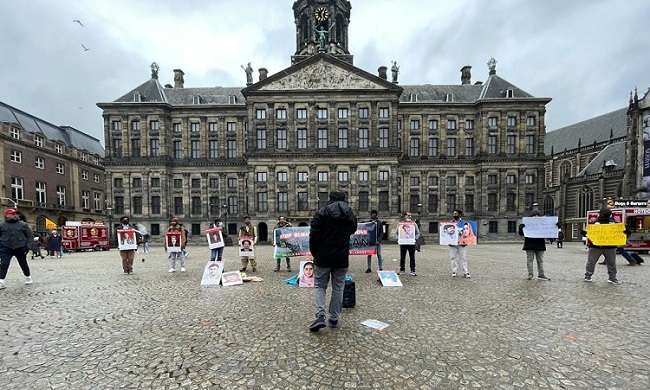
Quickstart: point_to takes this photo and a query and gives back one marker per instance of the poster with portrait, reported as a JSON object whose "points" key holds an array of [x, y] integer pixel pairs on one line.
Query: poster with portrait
{"points": [[214, 237], [406, 233], [212, 273], [466, 232], [306, 274], [389, 279], [126, 239], [246, 246], [448, 232], [231, 278], [173, 240]]}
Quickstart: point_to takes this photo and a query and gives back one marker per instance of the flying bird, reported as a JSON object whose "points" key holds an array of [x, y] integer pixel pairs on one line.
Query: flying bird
{"points": [[85, 48], [78, 21]]}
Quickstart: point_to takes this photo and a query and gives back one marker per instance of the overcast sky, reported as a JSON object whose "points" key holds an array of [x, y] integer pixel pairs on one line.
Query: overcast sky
{"points": [[587, 55]]}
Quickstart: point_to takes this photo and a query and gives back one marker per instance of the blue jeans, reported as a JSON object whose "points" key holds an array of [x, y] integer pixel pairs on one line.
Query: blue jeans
{"points": [[380, 261], [216, 253], [321, 280], [402, 257]]}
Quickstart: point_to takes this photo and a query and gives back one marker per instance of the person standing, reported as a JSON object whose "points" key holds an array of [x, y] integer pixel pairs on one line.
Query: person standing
{"points": [[329, 242], [404, 248], [458, 252], [247, 230], [560, 238], [129, 254], [15, 240], [54, 244], [379, 230], [607, 251], [173, 256], [282, 223], [217, 253], [36, 248], [535, 248]]}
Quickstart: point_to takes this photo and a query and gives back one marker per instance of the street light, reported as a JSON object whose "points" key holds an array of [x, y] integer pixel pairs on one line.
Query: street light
{"points": [[109, 214], [225, 218]]}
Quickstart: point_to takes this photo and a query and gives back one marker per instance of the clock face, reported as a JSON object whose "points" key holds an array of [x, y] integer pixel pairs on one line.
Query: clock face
{"points": [[321, 14]]}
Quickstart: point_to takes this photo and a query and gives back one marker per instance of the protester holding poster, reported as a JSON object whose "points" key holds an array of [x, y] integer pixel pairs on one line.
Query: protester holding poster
{"points": [[127, 251], [407, 233], [247, 233], [458, 251], [535, 248], [607, 251], [215, 240], [173, 242], [378, 233], [282, 223]]}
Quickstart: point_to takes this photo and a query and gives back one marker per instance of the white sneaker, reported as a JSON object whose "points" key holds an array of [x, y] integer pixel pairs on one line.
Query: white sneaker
{"points": [[172, 270], [28, 280], [2, 284], [182, 269]]}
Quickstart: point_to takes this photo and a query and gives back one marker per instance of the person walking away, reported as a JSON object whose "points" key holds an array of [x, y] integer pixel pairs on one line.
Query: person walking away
{"points": [[560, 238], [15, 240], [126, 255], [247, 230], [329, 242], [607, 251], [282, 223], [535, 248], [407, 248], [458, 252], [379, 230], [54, 244]]}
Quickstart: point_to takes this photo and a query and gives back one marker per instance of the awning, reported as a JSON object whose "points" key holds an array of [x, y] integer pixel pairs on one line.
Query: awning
{"points": [[49, 224]]}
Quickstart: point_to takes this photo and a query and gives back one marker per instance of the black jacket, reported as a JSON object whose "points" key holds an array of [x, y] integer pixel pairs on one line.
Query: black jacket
{"points": [[329, 238], [15, 234], [532, 244]]}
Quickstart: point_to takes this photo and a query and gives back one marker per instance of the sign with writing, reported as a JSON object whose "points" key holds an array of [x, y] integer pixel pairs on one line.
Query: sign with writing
{"points": [[540, 227], [606, 234], [294, 241]]}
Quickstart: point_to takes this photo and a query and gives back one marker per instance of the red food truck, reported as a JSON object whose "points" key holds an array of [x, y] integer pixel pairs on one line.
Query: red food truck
{"points": [[80, 236]]}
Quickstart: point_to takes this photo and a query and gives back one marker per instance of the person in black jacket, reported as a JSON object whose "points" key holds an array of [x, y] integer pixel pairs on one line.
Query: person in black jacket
{"points": [[608, 252], [15, 240], [329, 243], [535, 248]]}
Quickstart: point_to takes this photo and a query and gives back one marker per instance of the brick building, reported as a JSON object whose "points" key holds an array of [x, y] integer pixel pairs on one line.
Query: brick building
{"points": [[48, 171]]}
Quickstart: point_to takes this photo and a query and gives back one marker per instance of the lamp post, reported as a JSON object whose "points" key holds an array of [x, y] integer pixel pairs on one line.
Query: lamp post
{"points": [[109, 214], [225, 218]]}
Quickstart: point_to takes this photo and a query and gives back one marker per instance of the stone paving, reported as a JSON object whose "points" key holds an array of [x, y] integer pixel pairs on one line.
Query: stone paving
{"points": [[85, 325]]}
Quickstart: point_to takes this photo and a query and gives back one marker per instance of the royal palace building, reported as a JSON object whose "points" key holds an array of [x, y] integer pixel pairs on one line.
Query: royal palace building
{"points": [[50, 174], [603, 158], [280, 144]]}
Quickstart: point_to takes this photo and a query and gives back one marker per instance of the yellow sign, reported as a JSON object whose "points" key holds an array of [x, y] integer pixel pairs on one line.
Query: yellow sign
{"points": [[49, 224], [608, 234]]}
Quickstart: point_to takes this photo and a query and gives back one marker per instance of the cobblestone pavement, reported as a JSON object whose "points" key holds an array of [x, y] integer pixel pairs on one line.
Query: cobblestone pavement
{"points": [[85, 325]]}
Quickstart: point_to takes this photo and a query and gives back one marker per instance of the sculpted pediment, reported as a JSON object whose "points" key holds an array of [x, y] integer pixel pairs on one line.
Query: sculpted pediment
{"points": [[322, 75]]}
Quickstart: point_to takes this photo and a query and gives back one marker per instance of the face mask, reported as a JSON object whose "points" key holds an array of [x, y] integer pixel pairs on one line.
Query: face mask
{"points": [[456, 217], [408, 218]]}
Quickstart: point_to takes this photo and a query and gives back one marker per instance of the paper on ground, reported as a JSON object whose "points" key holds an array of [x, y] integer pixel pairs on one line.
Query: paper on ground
{"points": [[375, 324]]}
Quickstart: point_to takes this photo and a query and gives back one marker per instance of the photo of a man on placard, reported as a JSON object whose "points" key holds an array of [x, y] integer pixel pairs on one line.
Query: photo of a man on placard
{"points": [[246, 247], [212, 274]]}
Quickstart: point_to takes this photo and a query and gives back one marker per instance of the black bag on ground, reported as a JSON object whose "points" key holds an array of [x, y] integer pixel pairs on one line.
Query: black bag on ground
{"points": [[349, 294]]}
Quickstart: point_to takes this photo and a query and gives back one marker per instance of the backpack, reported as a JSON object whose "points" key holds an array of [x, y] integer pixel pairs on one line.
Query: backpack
{"points": [[349, 294]]}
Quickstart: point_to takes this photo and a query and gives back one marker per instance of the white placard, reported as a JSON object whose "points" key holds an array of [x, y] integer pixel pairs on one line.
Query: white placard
{"points": [[540, 227]]}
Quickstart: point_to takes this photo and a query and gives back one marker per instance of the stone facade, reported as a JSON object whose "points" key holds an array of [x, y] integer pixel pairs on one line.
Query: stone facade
{"points": [[594, 160], [279, 145], [49, 172]]}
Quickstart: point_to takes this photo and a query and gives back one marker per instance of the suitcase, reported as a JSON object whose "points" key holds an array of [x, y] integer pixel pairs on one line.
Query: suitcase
{"points": [[349, 294]]}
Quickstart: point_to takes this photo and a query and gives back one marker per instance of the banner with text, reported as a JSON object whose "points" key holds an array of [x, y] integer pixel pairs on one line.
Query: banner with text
{"points": [[540, 227], [606, 234]]}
